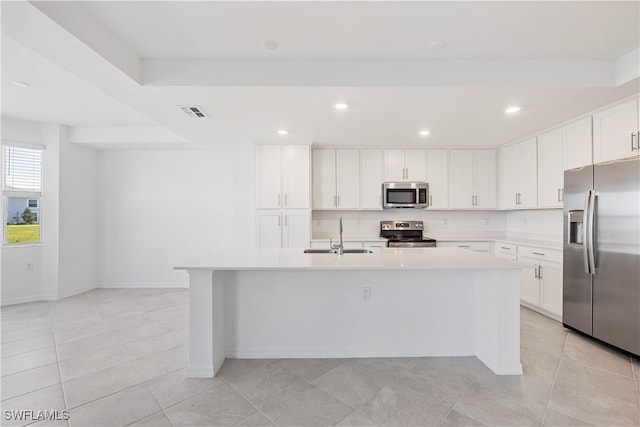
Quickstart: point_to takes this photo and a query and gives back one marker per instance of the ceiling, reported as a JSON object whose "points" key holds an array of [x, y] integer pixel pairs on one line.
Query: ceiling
{"points": [[115, 71]]}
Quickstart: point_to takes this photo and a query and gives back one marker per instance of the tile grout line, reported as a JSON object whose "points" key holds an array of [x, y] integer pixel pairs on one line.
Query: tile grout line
{"points": [[457, 400], [553, 383], [249, 402]]}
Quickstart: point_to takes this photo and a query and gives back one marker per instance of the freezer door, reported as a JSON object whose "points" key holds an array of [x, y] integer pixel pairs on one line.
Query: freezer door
{"points": [[616, 284], [576, 283]]}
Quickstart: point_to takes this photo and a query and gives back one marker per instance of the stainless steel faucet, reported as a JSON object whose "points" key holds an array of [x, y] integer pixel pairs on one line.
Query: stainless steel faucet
{"points": [[339, 248]]}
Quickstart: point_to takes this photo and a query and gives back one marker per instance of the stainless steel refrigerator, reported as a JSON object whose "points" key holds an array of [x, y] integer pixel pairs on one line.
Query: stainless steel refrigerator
{"points": [[601, 270]]}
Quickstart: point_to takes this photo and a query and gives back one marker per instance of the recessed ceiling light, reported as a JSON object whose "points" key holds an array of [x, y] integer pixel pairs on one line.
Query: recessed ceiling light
{"points": [[424, 132], [437, 45], [21, 84], [340, 106], [512, 109], [283, 132], [271, 45]]}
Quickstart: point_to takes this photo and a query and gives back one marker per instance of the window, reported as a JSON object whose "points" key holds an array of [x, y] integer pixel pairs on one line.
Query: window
{"points": [[21, 190]]}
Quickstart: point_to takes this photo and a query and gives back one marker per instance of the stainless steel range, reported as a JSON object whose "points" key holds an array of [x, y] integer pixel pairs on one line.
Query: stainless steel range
{"points": [[405, 234]]}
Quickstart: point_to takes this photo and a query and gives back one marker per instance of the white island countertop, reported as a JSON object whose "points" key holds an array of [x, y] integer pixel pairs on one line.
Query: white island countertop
{"points": [[380, 259]]}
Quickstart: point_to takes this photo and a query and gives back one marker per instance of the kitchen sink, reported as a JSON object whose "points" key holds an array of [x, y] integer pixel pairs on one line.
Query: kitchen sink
{"points": [[333, 251]]}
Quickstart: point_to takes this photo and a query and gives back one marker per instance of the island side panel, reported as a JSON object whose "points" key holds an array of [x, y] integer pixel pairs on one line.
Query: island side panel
{"points": [[498, 320], [206, 323], [316, 314]]}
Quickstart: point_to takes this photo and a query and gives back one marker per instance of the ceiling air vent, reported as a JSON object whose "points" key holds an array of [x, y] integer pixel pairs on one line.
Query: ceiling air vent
{"points": [[193, 111]]}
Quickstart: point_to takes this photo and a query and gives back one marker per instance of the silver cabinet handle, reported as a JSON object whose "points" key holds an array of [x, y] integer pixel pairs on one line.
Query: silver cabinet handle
{"points": [[476, 200], [278, 201], [516, 198], [633, 141], [535, 272], [562, 194], [505, 248], [286, 220], [338, 197], [430, 200], [539, 272], [559, 198], [538, 253], [286, 200], [464, 246], [278, 220]]}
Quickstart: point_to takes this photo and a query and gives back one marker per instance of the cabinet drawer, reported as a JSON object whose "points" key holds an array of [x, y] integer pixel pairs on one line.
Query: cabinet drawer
{"points": [[542, 254], [374, 244], [506, 248], [473, 246]]}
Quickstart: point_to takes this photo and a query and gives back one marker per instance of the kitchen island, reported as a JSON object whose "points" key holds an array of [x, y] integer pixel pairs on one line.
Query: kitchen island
{"points": [[283, 303]]}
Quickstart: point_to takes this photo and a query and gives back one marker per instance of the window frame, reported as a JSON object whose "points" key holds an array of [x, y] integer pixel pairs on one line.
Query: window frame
{"points": [[28, 195]]}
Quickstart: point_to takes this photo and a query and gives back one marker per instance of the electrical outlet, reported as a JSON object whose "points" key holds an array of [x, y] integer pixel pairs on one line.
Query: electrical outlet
{"points": [[366, 293]]}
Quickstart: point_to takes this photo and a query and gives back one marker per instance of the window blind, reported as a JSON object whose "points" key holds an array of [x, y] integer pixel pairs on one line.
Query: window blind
{"points": [[22, 169]]}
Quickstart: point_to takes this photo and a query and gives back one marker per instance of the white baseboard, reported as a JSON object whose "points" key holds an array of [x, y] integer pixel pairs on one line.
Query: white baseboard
{"points": [[270, 353], [38, 298], [144, 285]]}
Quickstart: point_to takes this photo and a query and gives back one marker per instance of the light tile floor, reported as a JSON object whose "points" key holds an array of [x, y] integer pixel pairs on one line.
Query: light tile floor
{"points": [[117, 357]]}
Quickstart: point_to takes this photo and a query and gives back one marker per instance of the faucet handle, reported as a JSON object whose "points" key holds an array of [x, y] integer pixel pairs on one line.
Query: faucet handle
{"points": [[331, 245]]}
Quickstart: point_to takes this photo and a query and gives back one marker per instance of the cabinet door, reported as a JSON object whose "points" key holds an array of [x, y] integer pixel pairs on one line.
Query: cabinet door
{"points": [[528, 174], [530, 290], [348, 179], [269, 229], [324, 179], [551, 288], [509, 176], [296, 230], [461, 178], [295, 176], [394, 165], [550, 169], [612, 130], [577, 144], [268, 176], [415, 162], [485, 179], [371, 179], [437, 170]]}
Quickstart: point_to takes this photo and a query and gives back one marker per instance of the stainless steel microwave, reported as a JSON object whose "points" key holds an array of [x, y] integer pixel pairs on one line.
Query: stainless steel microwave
{"points": [[405, 195]]}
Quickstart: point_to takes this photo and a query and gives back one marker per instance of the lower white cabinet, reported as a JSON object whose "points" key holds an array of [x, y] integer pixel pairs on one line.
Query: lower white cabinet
{"points": [[283, 229], [542, 284]]}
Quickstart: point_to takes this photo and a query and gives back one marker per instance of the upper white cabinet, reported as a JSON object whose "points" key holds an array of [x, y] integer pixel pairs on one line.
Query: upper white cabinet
{"points": [[577, 144], [550, 169], [282, 176], [371, 179], [437, 177], [336, 179], [518, 175], [472, 179], [615, 132], [405, 165]]}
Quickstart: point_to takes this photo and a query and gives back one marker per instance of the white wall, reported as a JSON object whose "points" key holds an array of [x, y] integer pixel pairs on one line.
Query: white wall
{"points": [[77, 219], [159, 209], [541, 224]]}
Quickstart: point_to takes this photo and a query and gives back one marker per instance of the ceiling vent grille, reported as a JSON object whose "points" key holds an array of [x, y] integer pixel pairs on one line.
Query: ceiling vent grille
{"points": [[193, 111]]}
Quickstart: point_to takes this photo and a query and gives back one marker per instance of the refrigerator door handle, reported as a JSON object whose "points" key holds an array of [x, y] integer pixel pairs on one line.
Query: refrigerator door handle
{"points": [[585, 234], [591, 230]]}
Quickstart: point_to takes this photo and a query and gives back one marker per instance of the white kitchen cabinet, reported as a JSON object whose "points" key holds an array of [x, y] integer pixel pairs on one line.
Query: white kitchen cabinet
{"points": [[577, 144], [550, 169], [437, 177], [542, 284], [519, 175], [506, 250], [336, 178], [282, 176], [615, 132], [283, 229], [474, 245], [472, 179], [371, 179], [405, 165]]}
